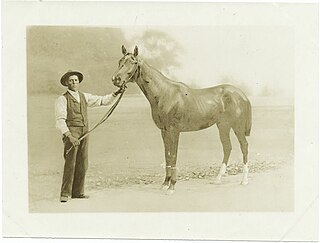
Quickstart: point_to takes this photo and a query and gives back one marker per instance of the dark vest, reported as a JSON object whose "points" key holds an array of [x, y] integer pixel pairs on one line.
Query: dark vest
{"points": [[76, 112]]}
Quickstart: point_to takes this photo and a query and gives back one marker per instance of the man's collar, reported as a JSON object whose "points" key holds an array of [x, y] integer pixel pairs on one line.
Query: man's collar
{"points": [[73, 92]]}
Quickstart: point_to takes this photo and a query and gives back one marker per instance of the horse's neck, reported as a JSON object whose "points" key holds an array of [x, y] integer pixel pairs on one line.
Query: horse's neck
{"points": [[152, 83]]}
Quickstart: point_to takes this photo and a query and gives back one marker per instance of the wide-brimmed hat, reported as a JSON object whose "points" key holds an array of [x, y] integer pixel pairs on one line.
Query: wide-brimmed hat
{"points": [[66, 76]]}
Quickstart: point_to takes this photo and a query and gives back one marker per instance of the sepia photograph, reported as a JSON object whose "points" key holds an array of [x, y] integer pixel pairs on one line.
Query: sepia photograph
{"points": [[193, 118], [181, 121]]}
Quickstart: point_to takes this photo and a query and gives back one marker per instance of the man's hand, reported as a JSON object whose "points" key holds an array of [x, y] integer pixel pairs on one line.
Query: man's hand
{"points": [[120, 90], [73, 140]]}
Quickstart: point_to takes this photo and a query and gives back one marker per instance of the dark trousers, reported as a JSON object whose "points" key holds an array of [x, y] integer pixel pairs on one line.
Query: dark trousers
{"points": [[76, 164]]}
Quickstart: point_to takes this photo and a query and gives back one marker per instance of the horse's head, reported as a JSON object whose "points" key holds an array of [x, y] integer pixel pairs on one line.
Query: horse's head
{"points": [[128, 68]]}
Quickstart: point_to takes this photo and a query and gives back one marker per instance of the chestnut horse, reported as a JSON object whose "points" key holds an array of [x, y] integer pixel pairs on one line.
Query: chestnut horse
{"points": [[177, 108]]}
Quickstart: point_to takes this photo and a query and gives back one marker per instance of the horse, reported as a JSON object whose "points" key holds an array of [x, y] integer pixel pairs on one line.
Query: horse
{"points": [[178, 108]]}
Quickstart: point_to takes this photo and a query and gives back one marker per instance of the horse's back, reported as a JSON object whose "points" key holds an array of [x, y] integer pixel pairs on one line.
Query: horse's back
{"points": [[227, 89]]}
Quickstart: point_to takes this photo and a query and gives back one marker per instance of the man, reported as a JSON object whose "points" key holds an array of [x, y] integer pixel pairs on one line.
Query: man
{"points": [[72, 121]]}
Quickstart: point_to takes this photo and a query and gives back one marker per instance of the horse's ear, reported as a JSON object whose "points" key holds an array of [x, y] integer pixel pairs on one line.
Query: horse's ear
{"points": [[124, 50], [135, 52]]}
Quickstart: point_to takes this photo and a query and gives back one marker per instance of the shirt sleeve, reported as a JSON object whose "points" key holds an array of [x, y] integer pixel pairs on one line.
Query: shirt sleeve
{"points": [[61, 114], [96, 100]]}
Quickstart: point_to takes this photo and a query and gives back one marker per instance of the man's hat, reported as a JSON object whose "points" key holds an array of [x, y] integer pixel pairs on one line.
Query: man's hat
{"points": [[66, 76]]}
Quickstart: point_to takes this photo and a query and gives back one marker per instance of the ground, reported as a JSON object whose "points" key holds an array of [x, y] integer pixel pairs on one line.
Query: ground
{"points": [[126, 162]]}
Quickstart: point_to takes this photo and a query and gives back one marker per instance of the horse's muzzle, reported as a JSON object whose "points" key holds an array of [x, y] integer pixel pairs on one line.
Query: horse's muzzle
{"points": [[116, 81]]}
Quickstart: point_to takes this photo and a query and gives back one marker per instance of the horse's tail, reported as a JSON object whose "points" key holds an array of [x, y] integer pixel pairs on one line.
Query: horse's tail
{"points": [[248, 118]]}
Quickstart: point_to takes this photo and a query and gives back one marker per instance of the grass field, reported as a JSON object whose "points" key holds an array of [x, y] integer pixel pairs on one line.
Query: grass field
{"points": [[127, 151]]}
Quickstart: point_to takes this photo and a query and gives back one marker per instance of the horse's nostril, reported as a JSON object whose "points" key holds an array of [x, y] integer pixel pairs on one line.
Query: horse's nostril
{"points": [[116, 80]]}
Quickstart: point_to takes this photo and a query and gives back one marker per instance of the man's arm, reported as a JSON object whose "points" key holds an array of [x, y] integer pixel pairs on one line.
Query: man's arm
{"points": [[96, 100], [61, 117]]}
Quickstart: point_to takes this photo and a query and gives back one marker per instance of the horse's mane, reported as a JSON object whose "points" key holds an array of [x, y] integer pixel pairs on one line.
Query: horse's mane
{"points": [[164, 78]]}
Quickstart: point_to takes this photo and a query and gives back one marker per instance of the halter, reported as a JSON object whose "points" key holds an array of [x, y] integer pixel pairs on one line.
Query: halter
{"points": [[132, 74]]}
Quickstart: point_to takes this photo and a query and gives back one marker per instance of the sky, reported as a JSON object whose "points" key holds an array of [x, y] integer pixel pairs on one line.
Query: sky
{"points": [[258, 58]]}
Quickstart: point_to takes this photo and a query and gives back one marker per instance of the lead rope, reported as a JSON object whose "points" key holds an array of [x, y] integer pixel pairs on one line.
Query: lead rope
{"points": [[103, 119]]}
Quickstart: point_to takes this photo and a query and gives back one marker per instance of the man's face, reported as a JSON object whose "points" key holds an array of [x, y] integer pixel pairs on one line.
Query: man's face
{"points": [[73, 83]]}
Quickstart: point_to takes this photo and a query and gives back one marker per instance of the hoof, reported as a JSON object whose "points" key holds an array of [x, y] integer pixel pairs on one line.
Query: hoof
{"points": [[170, 192], [164, 187], [244, 182]]}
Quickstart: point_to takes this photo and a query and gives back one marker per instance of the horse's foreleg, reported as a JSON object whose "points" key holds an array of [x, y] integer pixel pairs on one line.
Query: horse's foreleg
{"points": [[167, 179], [170, 140], [224, 133], [165, 184]]}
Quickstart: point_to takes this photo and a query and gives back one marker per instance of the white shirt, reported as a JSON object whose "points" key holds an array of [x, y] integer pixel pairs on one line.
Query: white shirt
{"points": [[61, 106]]}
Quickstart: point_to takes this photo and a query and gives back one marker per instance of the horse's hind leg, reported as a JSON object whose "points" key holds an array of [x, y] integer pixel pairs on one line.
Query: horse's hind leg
{"points": [[170, 140], [224, 133], [240, 133]]}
